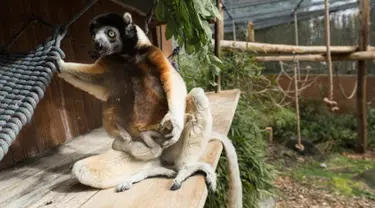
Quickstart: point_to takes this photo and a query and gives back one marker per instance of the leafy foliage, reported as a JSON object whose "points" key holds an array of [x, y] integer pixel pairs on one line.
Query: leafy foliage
{"points": [[187, 22], [246, 133], [333, 132]]}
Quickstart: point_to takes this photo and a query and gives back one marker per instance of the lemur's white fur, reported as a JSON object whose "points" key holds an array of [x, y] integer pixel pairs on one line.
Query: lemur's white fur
{"points": [[98, 91], [142, 37], [116, 168]]}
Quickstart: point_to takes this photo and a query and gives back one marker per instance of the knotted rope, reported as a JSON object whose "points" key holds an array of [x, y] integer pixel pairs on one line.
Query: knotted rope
{"points": [[24, 77], [23, 80]]}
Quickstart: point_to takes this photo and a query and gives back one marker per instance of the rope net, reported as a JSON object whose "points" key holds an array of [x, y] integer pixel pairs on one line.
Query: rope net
{"points": [[24, 79]]}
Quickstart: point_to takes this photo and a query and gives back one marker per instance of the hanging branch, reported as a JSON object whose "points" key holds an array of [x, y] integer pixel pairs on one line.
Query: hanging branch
{"points": [[305, 83]]}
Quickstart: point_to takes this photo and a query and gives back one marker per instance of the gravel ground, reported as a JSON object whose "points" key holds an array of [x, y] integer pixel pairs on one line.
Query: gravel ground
{"points": [[298, 195]]}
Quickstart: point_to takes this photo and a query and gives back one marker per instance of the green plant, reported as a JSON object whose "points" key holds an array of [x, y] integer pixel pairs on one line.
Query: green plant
{"points": [[187, 22], [335, 132]]}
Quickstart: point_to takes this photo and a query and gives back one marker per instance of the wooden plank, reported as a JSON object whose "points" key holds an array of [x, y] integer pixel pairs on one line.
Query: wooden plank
{"points": [[73, 150], [30, 190], [193, 193], [69, 194]]}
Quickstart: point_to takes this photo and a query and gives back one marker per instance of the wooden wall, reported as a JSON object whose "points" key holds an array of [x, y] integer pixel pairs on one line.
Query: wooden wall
{"points": [[320, 89], [64, 112]]}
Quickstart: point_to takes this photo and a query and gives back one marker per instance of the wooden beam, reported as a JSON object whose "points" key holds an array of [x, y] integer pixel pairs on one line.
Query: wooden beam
{"points": [[219, 35], [250, 32], [129, 8], [281, 48], [363, 55], [362, 78]]}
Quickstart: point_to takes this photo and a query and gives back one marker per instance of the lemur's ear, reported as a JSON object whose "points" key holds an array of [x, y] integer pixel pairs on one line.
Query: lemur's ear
{"points": [[127, 18]]}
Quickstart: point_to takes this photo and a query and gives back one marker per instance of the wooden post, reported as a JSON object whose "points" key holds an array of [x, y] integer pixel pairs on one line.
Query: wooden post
{"points": [[362, 78], [250, 32], [270, 134], [219, 35]]}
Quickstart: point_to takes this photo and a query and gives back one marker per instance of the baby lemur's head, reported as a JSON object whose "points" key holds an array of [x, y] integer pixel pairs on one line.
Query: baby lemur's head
{"points": [[114, 33]]}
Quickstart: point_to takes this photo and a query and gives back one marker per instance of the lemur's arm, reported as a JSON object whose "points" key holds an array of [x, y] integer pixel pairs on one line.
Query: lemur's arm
{"points": [[85, 77], [176, 92], [83, 71]]}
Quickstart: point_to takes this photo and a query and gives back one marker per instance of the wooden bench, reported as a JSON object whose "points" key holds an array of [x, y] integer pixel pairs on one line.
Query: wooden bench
{"points": [[45, 181]]}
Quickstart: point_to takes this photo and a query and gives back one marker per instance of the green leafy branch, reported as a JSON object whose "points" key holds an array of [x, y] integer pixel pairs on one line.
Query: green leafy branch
{"points": [[187, 21]]}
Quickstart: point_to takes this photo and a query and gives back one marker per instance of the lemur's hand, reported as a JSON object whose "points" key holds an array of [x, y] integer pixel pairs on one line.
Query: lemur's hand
{"points": [[176, 131], [60, 65]]}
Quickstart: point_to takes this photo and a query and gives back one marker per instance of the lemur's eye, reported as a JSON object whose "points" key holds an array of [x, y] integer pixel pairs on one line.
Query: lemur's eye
{"points": [[111, 33]]}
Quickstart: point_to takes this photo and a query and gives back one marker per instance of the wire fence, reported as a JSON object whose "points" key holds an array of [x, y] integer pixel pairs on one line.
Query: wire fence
{"points": [[344, 28]]}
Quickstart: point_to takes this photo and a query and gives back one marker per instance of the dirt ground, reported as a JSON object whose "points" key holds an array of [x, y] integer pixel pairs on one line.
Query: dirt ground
{"points": [[302, 195], [304, 183]]}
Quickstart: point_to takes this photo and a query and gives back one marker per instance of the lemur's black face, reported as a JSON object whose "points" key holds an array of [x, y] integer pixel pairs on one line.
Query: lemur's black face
{"points": [[113, 33]]}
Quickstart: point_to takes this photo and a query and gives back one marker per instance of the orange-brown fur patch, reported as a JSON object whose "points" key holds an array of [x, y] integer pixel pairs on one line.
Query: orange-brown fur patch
{"points": [[109, 118], [157, 58], [138, 101]]}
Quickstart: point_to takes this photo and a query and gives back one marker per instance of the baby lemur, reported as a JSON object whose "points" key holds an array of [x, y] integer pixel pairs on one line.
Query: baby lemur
{"points": [[139, 86]]}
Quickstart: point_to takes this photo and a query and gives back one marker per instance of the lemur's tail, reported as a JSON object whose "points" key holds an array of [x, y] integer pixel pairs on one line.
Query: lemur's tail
{"points": [[235, 185]]}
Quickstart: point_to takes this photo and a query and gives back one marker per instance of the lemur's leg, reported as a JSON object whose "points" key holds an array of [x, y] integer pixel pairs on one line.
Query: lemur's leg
{"points": [[158, 171], [139, 150], [187, 170]]}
